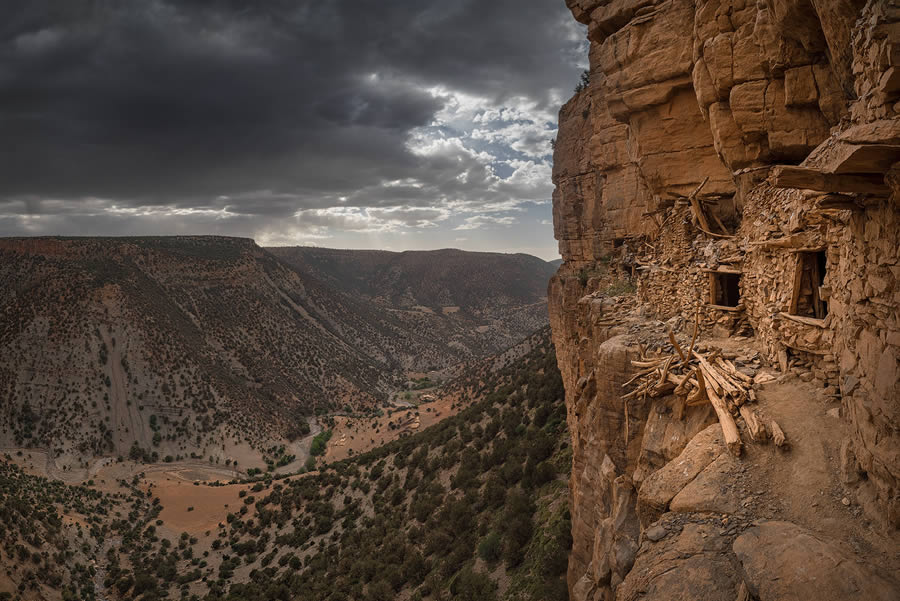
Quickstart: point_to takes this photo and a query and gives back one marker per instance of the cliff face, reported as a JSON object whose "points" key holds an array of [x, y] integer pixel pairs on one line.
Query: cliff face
{"points": [[737, 162]]}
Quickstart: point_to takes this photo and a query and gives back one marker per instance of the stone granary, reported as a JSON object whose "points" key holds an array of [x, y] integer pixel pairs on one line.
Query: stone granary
{"points": [[737, 162]]}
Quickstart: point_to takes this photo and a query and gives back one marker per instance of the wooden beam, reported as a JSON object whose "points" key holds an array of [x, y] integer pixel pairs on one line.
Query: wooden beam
{"points": [[789, 176], [697, 208], [798, 280], [818, 305], [736, 309], [729, 428]]}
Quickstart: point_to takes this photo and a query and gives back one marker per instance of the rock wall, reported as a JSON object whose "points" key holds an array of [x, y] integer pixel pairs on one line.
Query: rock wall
{"points": [[776, 121]]}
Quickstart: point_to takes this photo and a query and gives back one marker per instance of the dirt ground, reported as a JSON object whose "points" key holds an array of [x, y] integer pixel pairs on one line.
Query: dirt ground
{"points": [[802, 484], [189, 507], [353, 436]]}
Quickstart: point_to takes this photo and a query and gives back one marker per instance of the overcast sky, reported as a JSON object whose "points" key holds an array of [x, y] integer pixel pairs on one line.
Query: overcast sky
{"points": [[398, 124]]}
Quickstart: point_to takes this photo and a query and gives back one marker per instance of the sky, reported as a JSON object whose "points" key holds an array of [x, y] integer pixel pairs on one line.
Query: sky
{"points": [[395, 124]]}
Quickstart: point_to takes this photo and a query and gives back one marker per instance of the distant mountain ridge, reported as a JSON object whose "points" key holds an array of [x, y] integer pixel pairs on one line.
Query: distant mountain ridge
{"points": [[479, 282]]}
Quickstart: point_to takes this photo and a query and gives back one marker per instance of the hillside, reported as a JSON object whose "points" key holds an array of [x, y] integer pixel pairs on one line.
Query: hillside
{"points": [[469, 303], [180, 345], [472, 508], [210, 348], [477, 282]]}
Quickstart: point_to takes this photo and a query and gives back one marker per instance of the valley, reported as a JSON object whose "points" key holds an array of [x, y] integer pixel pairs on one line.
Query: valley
{"points": [[321, 534], [213, 350]]}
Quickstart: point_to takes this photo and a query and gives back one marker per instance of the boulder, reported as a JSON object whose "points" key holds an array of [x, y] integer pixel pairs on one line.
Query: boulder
{"points": [[781, 560], [695, 564]]}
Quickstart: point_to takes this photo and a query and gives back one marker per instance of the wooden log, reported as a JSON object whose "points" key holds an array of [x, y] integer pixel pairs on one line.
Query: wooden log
{"points": [[677, 346], [711, 381], [642, 389], [663, 389], [778, 436], [696, 330], [722, 382], [729, 428], [790, 176], [695, 204], [665, 370], [754, 425], [651, 363], [640, 374], [729, 368]]}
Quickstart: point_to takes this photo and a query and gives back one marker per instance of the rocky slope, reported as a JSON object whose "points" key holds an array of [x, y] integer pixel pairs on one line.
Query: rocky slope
{"points": [[735, 162], [471, 508], [199, 347], [468, 304]]}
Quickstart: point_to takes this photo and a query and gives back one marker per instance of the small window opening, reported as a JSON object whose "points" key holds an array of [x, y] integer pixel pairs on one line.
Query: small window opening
{"points": [[618, 242], [809, 277], [725, 289]]}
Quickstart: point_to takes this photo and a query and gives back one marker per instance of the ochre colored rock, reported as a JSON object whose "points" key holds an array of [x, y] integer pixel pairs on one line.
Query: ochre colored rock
{"points": [[781, 560], [721, 91]]}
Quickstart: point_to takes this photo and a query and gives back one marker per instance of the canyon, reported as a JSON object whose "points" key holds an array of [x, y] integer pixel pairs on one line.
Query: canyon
{"points": [[735, 163]]}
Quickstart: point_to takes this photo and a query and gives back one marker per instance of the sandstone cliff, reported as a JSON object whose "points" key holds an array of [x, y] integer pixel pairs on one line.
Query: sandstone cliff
{"points": [[737, 161]]}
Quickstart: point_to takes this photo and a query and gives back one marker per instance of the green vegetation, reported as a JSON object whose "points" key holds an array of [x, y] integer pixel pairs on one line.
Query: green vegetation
{"points": [[49, 531], [620, 287], [472, 508], [413, 517], [320, 443]]}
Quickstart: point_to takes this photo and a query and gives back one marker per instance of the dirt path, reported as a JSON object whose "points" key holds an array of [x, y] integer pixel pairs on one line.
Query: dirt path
{"points": [[100, 573]]}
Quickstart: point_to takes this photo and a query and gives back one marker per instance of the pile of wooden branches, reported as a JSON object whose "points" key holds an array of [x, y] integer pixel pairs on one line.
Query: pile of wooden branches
{"points": [[693, 379]]}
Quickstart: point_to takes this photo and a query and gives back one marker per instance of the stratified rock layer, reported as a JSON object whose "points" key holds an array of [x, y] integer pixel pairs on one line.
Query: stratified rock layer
{"points": [[780, 118]]}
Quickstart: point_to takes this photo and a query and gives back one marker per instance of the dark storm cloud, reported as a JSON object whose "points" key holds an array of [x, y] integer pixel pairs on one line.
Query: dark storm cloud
{"points": [[266, 107]]}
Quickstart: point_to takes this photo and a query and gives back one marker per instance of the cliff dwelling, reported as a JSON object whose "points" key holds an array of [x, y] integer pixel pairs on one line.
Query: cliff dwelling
{"points": [[739, 163]]}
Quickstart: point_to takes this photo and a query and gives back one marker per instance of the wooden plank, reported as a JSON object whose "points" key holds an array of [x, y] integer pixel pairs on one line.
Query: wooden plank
{"points": [[737, 309], [790, 176]]}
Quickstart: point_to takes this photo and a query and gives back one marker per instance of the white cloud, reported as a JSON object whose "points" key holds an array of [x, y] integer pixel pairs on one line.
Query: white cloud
{"points": [[486, 221]]}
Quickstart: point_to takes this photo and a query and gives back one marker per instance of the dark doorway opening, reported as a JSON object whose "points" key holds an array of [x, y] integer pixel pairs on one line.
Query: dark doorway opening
{"points": [[725, 288]]}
